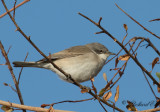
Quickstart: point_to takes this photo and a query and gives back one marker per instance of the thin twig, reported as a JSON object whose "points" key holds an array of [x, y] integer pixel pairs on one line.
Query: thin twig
{"points": [[25, 1], [149, 85], [12, 74], [22, 69], [102, 106], [138, 22], [70, 101], [14, 9], [9, 49], [154, 20]]}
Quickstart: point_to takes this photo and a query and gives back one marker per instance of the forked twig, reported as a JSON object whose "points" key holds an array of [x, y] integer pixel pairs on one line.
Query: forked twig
{"points": [[25, 1]]}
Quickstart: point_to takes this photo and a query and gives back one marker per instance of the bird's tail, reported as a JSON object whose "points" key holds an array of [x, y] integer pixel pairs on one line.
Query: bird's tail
{"points": [[26, 64]]}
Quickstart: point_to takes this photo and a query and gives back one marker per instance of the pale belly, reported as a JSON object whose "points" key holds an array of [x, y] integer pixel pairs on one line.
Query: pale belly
{"points": [[80, 69]]}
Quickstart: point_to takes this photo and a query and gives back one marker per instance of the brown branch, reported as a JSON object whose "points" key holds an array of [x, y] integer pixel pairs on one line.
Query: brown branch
{"points": [[150, 110], [148, 41], [12, 74], [121, 45], [138, 22], [154, 20], [25, 1], [37, 109]]}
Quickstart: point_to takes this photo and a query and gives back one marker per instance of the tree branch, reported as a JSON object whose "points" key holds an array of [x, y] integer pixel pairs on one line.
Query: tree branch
{"points": [[123, 47], [37, 109]]}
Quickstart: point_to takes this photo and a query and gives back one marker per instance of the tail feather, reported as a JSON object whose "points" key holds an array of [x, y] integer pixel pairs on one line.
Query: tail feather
{"points": [[25, 64]]}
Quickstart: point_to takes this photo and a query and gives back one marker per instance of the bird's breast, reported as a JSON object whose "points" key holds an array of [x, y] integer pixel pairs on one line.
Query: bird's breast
{"points": [[81, 68]]}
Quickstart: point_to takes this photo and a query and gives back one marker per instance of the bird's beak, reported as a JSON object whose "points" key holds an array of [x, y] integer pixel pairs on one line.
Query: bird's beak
{"points": [[110, 53]]}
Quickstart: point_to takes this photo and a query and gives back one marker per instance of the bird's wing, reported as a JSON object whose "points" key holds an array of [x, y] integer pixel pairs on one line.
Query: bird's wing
{"points": [[71, 52]]}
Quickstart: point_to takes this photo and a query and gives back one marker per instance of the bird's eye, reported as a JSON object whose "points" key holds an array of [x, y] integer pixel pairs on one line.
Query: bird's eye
{"points": [[101, 51]]}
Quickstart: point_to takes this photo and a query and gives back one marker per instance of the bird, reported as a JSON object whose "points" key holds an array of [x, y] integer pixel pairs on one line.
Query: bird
{"points": [[81, 62]]}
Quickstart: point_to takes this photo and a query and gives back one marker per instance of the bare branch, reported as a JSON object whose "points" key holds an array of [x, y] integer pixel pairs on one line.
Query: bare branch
{"points": [[138, 23], [37, 109], [155, 20]]}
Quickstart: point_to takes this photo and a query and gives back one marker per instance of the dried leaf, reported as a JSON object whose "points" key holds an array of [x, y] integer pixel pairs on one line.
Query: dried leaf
{"points": [[6, 108], [154, 62], [105, 76], [131, 106], [84, 90], [158, 75], [107, 96], [158, 89], [102, 91], [116, 62], [117, 94], [124, 57], [5, 84], [125, 27]]}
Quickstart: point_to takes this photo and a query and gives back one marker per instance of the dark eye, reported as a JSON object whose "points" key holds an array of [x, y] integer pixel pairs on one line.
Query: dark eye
{"points": [[101, 51]]}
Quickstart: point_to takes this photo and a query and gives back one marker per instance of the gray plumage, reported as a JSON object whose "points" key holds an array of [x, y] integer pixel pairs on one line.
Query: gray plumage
{"points": [[81, 62]]}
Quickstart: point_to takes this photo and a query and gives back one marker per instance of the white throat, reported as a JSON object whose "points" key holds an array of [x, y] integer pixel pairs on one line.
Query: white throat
{"points": [[103, 56]]}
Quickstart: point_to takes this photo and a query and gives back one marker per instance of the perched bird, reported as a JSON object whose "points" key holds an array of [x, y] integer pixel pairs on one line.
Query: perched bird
{"points": [[81, 62]]}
